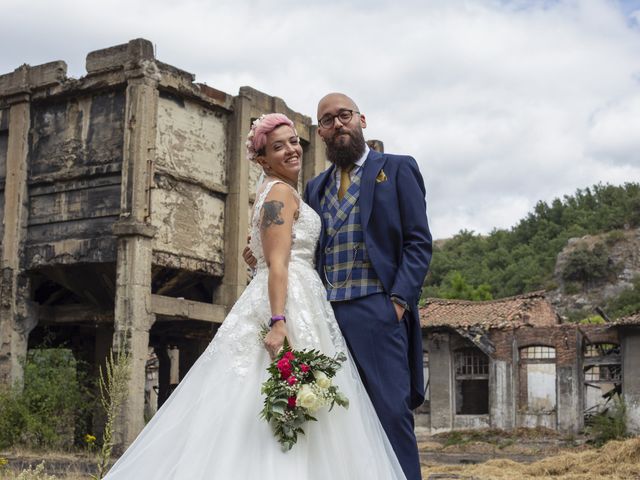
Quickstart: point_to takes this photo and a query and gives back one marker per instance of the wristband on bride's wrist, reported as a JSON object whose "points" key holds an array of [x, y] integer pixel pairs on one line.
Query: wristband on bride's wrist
{"points": [[276, 318]]}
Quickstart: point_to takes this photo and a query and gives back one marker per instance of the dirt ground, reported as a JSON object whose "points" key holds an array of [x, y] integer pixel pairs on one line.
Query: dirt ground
{"points": [[470, 455], [526, 454]]}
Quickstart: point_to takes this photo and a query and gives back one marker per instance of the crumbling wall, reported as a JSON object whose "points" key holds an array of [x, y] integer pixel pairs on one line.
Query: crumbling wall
{"points": [[74, 178], [190, 182]]}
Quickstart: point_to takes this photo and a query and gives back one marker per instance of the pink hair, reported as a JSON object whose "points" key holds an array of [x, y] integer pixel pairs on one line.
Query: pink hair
{"points": [[261, 127]]}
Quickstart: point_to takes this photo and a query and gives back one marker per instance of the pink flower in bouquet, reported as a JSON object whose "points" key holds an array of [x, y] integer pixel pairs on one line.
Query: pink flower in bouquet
{"points": [[289, 355], [284, 366], [291, 402], [304, 367], [292, 380]]}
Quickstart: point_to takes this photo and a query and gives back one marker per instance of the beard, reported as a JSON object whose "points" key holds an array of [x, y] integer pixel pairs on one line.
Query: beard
{"points": [[343, 153]]}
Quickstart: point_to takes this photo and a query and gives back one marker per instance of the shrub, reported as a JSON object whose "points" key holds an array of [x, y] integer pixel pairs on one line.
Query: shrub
{"points": [[52, 404], [611, 424], [627, 302], [31, 473], [588, 266], [614, 236], [571, 288]]}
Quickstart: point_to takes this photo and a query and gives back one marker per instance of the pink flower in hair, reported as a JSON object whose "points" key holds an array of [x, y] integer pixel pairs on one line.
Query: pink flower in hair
{"points": [[260, 128]]}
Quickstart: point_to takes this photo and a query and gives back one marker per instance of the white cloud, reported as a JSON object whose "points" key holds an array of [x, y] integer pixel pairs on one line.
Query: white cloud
{"points": [[503, 103]]}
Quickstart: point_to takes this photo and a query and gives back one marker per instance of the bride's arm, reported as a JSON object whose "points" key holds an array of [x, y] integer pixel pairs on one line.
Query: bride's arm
{"points": [[276, 224]]}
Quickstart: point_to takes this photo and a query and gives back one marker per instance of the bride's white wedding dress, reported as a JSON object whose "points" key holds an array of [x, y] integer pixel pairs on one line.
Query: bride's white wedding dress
{"points": [[210, 427]]}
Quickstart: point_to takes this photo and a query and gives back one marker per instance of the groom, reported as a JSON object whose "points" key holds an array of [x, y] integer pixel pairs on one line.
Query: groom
{"points": [[373, 255]]}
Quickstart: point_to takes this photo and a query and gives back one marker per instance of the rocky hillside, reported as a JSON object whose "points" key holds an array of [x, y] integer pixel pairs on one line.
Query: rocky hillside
{"points": [[594, 269]]}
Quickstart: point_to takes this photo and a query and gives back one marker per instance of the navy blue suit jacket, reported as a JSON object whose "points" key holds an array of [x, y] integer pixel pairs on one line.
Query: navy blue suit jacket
{"points": [[396, 234]]}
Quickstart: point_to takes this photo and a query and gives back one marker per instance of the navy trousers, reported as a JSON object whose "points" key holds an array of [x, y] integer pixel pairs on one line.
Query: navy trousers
{"points": [[379, 346]]}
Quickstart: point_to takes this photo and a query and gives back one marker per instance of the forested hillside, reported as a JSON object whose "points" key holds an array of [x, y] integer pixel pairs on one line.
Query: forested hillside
{"points": [[522, 259]]}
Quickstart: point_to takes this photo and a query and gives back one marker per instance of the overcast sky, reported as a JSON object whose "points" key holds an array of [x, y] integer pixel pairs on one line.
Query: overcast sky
{"points": [[503, 103]]}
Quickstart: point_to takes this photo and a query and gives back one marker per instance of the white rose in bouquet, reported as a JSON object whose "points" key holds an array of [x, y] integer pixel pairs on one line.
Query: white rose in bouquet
{"points": [[307, 398], [322, 380]]}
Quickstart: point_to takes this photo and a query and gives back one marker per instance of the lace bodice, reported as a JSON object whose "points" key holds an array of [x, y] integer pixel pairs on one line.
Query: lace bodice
{"points": [[305, 233], [310, 319]]}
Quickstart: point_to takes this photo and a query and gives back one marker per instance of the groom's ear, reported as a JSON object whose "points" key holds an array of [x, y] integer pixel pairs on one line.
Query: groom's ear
{"points": [[363, 121]]}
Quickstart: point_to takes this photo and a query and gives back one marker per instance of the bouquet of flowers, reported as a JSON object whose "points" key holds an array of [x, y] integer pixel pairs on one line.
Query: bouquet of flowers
{"points": [[298, 386]]}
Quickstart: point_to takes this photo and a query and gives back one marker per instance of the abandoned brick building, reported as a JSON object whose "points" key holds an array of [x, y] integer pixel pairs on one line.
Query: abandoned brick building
{"points": [[125, 198], [511, 363]]}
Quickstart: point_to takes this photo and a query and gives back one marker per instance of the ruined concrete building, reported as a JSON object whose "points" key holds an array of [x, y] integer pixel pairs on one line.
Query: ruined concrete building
{"points": [[125, 199], [510, 363]]}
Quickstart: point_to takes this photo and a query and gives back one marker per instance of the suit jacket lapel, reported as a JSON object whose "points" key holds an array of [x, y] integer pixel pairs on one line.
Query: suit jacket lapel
{"points": [[371, 168], [318, 190]]}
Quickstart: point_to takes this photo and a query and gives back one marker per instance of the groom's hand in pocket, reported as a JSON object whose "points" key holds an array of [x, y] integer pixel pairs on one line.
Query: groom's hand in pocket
{"points": [[399, 311]]}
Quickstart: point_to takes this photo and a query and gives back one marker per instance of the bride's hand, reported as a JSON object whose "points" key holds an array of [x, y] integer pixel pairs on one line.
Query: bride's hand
{"points": [[274, 340], [247, 255]]}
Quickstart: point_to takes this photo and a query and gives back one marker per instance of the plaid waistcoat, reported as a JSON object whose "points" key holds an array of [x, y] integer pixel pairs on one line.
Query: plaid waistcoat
{"points": [[348, 272]]}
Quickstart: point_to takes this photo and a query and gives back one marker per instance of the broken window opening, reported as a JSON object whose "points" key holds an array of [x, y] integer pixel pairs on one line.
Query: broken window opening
{"points": [[472, 382], [602, 367]]}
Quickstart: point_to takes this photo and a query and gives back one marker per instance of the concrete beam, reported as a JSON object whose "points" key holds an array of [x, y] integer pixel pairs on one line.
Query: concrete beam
{"points": [[72, 314], [181, 309], [26, 78]]}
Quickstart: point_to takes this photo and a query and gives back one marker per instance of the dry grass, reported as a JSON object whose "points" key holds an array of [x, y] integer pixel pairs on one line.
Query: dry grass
{"points": [[617, 460]]}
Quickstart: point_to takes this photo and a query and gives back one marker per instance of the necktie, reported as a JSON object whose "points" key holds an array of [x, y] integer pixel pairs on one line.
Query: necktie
{"points": [[345, 181]]}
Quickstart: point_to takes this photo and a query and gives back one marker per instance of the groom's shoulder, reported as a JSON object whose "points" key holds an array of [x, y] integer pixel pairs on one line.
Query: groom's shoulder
{"points": [[398, 160], [319, 177]]}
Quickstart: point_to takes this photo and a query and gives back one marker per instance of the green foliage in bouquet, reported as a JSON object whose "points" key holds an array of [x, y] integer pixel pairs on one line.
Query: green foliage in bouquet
{"points": [[299, 384]]}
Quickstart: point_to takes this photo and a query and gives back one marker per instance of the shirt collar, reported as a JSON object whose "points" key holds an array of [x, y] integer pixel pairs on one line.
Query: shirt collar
{"points": [[364, 156]]}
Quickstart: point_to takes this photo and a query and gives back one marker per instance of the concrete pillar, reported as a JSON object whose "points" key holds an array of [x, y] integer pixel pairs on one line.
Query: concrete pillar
{"points": [[315, 160], [174, 369], [236, 206], [151, 386], [630, 342], [164, 369], [501, 395], [570, 388], [17, 317], [441, 385], [133, 315], [569, 406]]}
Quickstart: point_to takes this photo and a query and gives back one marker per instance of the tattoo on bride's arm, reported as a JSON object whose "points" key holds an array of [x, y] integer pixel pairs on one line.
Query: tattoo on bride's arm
{"points": [[271, 214]]}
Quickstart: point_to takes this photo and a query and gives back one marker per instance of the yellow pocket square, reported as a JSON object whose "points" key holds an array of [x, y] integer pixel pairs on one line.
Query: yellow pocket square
{"points": [[381, 177]]}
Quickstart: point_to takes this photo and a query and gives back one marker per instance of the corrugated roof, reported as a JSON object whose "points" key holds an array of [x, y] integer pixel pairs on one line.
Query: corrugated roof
{"points": [[529, 309]]}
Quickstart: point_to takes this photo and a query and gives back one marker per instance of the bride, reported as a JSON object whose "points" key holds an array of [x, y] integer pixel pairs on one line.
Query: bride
{"points": [[210, 426]]}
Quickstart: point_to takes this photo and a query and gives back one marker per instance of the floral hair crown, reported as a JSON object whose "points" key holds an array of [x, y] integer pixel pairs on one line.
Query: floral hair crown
{"points": [[251, 150]]}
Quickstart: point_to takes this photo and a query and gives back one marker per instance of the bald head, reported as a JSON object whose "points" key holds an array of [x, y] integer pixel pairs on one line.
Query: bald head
{"points": [[332, 99]]}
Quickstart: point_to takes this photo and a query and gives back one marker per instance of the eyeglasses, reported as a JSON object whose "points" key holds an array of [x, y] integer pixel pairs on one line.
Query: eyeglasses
{"points": [[344, 116]]}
